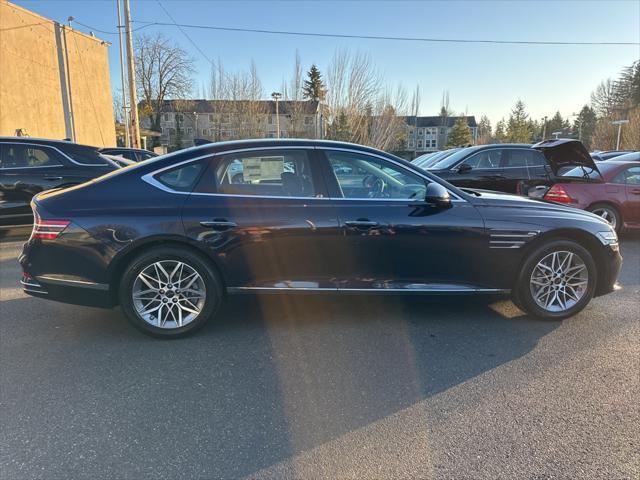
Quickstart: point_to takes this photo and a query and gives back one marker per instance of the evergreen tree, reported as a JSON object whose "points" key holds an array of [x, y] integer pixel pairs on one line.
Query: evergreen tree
{"points": [[557, 124], [585, 125], [518, 125], [460, 135], [313, 88], [484, 130], [500, 135], [339, 128]]}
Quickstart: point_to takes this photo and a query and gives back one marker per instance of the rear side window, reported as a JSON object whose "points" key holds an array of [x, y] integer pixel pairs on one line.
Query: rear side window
{"points": [[28, 156], [85, 155], [630, 176], [181, 179], [485, 159], [272, 173]]}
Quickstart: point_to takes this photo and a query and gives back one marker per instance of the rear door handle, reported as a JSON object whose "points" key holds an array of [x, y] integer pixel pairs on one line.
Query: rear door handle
{"points": [[361, 223], [53, 178], [219, 224]]}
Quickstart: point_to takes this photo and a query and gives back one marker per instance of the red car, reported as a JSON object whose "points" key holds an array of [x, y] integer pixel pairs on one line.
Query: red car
{"points": [[612, 190]]}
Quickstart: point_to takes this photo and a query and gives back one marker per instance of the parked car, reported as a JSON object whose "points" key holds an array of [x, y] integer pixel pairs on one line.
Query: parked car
{"points": [[511, 168], [608, 154], [170, 238], [135, 154], [31, 165], [612, 191], [427, 161]]}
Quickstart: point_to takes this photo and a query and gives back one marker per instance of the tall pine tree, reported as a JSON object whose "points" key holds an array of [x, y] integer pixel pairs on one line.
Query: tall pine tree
{"points": [[460, 135], [518, 125], [313, 88]]}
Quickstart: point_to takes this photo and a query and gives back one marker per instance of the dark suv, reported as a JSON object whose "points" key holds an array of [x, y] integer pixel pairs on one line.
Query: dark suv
{"points": [[512, 168], [31, 165], [135, 154]]}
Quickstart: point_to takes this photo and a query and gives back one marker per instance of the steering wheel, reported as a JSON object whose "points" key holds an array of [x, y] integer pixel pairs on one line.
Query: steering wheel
{"points": [[375, 185]]}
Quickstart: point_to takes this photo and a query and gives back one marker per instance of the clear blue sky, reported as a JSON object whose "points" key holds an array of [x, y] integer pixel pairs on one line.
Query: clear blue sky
{"points": [[481, 79]]}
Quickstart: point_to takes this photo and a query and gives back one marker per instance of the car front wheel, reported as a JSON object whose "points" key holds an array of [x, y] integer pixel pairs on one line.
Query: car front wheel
{"points": [[169, 292], [556, 281]]}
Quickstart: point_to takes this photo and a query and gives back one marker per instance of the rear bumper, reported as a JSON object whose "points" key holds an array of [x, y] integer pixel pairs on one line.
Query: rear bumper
{"points": [[611, 266], [68, 291]]}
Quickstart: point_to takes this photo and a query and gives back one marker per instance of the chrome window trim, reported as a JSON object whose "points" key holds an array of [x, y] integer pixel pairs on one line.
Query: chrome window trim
{"points": [[41, 145], [149, 177]]}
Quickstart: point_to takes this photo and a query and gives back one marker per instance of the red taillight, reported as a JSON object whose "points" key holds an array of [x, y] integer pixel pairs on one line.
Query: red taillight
{"points": [[48, 229], [557, 193]]}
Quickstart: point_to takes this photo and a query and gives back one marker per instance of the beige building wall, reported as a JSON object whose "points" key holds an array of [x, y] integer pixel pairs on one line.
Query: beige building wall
{"points": [[54, 80]]}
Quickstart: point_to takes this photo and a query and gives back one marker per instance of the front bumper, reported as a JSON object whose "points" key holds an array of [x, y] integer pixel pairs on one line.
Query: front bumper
{"points": [[611, 264]]}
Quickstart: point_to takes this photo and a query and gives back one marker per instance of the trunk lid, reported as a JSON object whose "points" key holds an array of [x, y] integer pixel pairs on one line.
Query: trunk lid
{"points": [[563, 153]]}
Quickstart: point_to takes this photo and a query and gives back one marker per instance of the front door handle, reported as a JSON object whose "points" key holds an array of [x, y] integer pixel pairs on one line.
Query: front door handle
{"points": [[219, 224], [361, 223], [53, 178]]}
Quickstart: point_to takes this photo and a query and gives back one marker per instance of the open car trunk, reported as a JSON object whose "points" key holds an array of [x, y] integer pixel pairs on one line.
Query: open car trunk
{"points": [[564, 154]]}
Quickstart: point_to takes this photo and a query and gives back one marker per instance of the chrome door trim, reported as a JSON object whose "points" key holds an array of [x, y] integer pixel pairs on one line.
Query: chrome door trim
{"points": [[234, 290]]}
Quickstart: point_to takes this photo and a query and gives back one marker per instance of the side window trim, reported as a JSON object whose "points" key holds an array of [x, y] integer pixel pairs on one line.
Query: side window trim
{"points": [[45, 148]]}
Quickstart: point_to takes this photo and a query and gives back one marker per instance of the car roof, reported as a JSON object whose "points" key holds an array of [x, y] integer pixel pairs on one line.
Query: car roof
{"points": [[45, 141]]}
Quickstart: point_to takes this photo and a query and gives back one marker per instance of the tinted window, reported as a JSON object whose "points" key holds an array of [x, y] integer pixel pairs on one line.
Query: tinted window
{"points": [[450, 160], [630, 176], [276, 173], [485, 159], [183, 178], [28, 156], [362, 176], [536, 159], [84, 155]]}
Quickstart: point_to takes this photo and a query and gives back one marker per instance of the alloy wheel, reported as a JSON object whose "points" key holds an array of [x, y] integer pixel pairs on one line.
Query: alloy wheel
{"points": [[168, 294], [559, 281], [607, 214]]}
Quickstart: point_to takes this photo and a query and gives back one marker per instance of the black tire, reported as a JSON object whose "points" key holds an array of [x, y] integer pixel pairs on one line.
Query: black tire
{"points": [[601, 208], [213, 297], [522, 295]]}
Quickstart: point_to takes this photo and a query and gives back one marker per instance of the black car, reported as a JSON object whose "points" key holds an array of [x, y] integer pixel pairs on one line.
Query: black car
{"points": [[135, 154], [511, 168], [31, 165], [168, 239]]}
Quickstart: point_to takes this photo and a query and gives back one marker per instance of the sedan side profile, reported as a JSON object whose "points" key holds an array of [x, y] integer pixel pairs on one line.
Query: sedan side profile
{"points": [[169, 238]]}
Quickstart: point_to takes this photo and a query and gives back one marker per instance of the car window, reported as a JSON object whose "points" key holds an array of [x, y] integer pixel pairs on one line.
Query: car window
{"points": [[536, 159], [630, 176], [517, 157], [182, 178], [485, 159], [363, 176], [84, 154], [272, 173], [28, 156]]}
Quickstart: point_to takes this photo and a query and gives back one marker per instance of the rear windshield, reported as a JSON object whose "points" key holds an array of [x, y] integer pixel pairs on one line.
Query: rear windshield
{"points": [[85, 155], [586, 172]]}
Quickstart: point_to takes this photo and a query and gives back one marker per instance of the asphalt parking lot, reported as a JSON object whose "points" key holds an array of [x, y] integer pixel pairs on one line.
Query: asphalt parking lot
{"points": [[310, 387]]}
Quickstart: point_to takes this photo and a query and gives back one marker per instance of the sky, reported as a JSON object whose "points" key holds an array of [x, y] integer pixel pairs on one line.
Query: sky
{"points": [[482, 79]]}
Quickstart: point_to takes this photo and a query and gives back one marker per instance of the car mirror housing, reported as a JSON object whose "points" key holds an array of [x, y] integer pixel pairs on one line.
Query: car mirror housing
{"points": [[437, 195], [464, 168]]}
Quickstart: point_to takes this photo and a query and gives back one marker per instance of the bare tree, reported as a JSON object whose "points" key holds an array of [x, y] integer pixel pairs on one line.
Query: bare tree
{"points": [[163, 71], [603, 99]]}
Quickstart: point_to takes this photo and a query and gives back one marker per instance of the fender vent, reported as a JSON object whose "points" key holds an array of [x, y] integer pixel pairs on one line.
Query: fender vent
{"points": [[510, 238]]}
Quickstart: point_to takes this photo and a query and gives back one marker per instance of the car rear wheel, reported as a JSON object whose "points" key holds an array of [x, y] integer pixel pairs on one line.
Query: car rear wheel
{"points": [[169, 292], [609, 213], [556, 281]]}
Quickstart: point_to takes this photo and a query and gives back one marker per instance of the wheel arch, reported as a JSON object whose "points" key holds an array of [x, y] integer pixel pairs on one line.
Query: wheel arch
{"points": [[124, 258]]}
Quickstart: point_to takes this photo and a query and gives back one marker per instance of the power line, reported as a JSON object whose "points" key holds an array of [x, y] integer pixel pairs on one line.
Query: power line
{"points": [[181, 26]]}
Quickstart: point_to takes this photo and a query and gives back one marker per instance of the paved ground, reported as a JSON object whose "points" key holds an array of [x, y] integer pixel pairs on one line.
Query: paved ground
{"points": [[294, 387]]}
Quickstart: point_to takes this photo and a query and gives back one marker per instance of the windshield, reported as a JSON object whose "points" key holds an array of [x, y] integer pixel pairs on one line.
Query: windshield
{"points": [[452, 159], [587, 172]]}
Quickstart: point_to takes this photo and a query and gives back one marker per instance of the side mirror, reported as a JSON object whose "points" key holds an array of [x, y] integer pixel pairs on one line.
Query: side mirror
{"points": [[437, 195], [464, 168]]}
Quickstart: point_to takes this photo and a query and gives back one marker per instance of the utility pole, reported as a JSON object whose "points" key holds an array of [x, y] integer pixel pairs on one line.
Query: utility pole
{"points": [[544, 128], [133, 99], [127, 139], [276, 96], [619, 123]]}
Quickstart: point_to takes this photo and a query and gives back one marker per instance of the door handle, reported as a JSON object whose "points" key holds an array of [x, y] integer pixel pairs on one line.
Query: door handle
{"points": [[361, 223], [219, 224], [53, 178]]}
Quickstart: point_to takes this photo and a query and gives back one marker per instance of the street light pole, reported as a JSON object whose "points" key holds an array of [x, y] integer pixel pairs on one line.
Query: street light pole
{"points": [[133, 100], [127, 140], [619, 123], [544, 129], [276, 96]]}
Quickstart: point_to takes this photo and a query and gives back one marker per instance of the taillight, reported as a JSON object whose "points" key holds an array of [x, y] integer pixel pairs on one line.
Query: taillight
{"points": [[557, 193], [48, 229]]}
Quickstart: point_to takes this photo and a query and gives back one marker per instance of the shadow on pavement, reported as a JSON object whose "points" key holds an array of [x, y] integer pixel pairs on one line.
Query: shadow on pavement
{"points": [[274, 377]]}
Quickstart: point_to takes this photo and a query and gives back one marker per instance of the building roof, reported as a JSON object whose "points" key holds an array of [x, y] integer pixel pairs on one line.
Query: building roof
{"points": [[436, 121], [285, 107]]}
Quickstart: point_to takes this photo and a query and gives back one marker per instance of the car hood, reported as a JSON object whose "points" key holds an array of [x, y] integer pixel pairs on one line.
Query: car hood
{"points": [[565, 152]]}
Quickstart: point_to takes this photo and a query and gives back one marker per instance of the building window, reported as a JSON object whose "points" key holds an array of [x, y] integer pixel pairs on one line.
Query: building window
{"points": [[166, 117], [308, 120], [420, 144], [225, 118], [211, 117], [411, 143], [179, 117], [411, 132], [189, 131], [433, 144], [443, 131], [205, 132], [420, 132]]}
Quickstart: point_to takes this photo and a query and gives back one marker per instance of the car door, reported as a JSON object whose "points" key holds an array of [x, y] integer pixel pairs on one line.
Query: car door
{"points": [[515, 172], [395, 241], [631, 209], [26, 169], [481, 170], [264, 214]]}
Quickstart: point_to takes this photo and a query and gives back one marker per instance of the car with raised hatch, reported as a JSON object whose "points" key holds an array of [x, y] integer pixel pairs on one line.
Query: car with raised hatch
{"points": [[168, 239]]}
